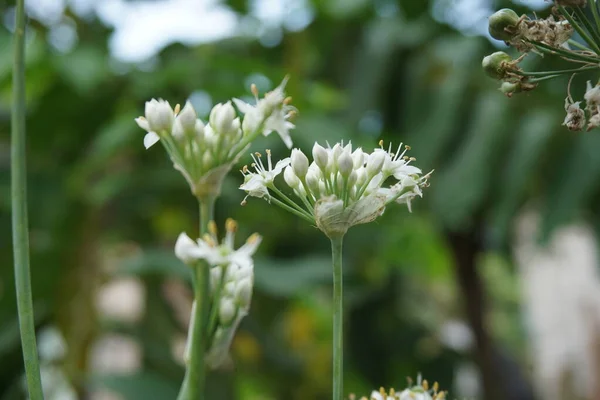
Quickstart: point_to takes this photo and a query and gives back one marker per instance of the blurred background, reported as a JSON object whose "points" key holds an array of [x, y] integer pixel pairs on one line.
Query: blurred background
{"points": [[490, 286]]}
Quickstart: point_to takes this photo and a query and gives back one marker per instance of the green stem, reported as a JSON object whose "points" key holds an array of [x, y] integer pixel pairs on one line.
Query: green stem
{"points": [[561, 72], [19, 213], [305, 216], [193, 387], [555, 51], [588, 25], [579, 45], [338, 319], [594, 8]]}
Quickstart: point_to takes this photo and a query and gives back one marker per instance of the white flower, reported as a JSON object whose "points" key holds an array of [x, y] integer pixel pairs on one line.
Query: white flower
{"points": [[159, 115], [378, 396], [408, 394], [256, 183], [321, 156], [221, 118], [187, 119], [299, 163], [187, 250], [337, 190], [273, 111]]}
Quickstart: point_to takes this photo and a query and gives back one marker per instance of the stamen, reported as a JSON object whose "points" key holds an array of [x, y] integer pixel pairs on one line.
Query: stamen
{"points": [[381, 143], [287, 100], [269, 162], [177, 108], [254, 90], [253, 238], [212, 228], [245, 169], [425, 384], [231, 225]]}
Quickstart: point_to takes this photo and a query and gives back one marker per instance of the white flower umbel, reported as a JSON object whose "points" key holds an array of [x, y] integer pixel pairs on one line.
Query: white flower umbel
{"points": [[205, 153], [420, 391], [231, 283], [341, 188]]}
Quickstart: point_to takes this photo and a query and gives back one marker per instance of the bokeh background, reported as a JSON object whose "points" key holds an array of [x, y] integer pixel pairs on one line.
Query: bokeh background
{"points": [[490, 286]]}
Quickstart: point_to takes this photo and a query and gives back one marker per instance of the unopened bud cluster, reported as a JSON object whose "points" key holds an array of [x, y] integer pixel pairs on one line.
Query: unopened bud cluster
{"points": [[341, 187], [205, 153], [551, 36], [231, 282], [420, 391]]}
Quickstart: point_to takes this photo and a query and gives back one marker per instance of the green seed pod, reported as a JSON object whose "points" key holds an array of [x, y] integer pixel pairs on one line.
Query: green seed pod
{"points": [[503, 24], [495, 64], [509, 88]]}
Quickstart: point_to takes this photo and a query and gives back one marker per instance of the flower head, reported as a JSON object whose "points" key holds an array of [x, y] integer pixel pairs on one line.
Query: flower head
{"points": [[341, 187], [257, 183], [420, 391], [231, 281], [205, 153]]}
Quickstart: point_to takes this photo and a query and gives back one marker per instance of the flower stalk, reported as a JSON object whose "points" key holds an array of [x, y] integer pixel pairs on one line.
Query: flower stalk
{"points": [[19, 213], [193, 386], [338, 318]]}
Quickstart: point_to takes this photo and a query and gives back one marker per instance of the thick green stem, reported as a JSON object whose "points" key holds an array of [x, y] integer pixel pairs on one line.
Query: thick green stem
{"points": [[193, 387], [19, 213], [338, 319]]}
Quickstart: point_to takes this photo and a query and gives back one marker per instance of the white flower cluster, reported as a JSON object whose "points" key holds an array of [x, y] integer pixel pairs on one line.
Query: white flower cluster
{"points": [[204, 154], [575, 119], [421, 391], [231, 282], [341, 187]]}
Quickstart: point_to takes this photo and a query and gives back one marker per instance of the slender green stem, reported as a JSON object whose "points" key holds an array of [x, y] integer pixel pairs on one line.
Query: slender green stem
{"points": [[594, 8], [193, 387], [555, 51], [20, 222], [579, 45], [588, 25], [560, 72], [290, 202], [302, 215], [579, 29], [338, 319]]}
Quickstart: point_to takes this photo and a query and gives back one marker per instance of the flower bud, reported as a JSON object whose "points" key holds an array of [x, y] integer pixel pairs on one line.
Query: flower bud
{"points": [[299, 163], [187, 118], [495, 65], [199, 129], [290, 177], [321, 156], [244, 292], [178, 132], [503, 24], [345, 164], [252, 121], [312, 181], [159, 115], [358, 157], [227, 311], [352, 178], [375, 163], [221, 117]]}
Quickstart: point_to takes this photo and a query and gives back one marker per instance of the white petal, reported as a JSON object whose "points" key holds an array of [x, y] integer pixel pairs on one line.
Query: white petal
{"points": [[150, 139], [243, 106], [187, 250], [281, 164], [143, 123]]}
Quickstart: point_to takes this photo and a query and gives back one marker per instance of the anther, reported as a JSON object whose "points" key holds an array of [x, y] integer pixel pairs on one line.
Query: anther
{"points": [[254, 90], [177, 108]]}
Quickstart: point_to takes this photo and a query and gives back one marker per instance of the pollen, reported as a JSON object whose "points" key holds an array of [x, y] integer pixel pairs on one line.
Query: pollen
{"points": [[257, 154], [231, 225], [381, 143], [253, 238], [254, 89], [212, 228], [287, 100], [177, 108]]}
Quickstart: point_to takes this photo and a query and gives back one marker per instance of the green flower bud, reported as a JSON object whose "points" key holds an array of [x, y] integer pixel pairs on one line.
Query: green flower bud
{"points": [[503, 24], [495, 64]]}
